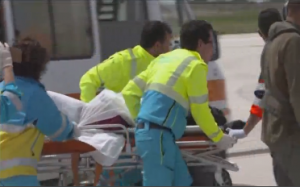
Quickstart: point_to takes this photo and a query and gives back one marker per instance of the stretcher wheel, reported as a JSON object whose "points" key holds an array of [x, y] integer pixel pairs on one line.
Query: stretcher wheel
{"points": [[226, 179], [51, 182]]}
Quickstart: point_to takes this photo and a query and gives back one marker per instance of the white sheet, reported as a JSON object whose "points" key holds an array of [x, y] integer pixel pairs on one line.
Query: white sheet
{"points": [[67, 105], [106, 105]]}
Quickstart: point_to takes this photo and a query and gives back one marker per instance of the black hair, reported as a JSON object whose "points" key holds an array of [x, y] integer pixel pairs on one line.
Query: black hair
{"points": [[34, 59], [152, 32], [192, 31], [266, 18]]}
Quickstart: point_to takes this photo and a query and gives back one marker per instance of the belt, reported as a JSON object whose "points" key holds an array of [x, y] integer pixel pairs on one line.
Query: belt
{"points": [[153, 126]]}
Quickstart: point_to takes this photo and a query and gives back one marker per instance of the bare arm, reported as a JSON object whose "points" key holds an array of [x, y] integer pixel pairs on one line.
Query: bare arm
{"points": [[251, 123]]}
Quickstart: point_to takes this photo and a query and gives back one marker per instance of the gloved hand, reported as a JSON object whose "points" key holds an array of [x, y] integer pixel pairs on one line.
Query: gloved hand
{"points": [[5, 56], [236, 124], [226, 142], [236, 133]]}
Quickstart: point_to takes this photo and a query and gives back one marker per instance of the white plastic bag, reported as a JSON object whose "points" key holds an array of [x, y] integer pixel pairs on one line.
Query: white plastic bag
{"points": [[105, 105], [67, 105], [108, 145]]}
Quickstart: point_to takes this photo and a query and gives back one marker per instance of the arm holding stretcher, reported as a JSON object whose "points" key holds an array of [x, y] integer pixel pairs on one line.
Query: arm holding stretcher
{"points": [[133, 92], [256, 113], [10, 95], [50, 121], [198, 96]]}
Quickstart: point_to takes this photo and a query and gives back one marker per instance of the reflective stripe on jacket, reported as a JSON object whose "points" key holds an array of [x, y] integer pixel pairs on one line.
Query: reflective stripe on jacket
{"points": [[20, 143], [256, 106], [115, 72], [9, 101], [39, 107], [179, 75], [21, 148], [217, 89], [215, 83]]}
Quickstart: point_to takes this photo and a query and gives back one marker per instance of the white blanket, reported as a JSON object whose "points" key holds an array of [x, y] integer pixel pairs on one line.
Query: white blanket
{"points": [[104, 106]]}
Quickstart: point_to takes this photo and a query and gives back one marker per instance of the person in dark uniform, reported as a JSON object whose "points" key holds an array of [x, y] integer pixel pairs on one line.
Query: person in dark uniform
{"points": [[280, 63], [266, 18]]}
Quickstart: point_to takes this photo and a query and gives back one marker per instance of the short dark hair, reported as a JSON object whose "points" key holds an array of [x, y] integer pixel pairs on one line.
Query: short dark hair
{"points": [[266, 18], [152, 32], [192, 31], [34, 59]]}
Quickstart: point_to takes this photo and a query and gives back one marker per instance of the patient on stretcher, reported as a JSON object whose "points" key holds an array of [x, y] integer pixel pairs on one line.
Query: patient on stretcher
{"points": [[106, 109], [105, 147]]}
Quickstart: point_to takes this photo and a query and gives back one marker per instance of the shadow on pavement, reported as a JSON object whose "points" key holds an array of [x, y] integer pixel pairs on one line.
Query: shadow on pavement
{"points": [[242, 185]]}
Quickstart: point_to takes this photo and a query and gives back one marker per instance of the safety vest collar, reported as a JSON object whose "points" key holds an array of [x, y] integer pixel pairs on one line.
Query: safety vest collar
{"points": [[193, 53], [140, 51], [31, 80], [135, 54]]}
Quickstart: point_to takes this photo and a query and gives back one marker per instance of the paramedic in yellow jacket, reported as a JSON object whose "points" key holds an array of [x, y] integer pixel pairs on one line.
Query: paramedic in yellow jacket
{"points": [[22, 136], [173, 84], [115, 72]]}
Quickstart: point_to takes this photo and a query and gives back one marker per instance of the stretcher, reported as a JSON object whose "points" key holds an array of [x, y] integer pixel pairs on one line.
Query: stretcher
{"points": [[72, 156]]}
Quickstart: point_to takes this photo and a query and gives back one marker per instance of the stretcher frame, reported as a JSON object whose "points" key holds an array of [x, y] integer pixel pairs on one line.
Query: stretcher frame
{"points": [[195, 152]]}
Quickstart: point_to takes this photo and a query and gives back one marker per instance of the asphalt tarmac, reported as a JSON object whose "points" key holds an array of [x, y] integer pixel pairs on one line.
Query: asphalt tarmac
{"points": [[240, 61]]}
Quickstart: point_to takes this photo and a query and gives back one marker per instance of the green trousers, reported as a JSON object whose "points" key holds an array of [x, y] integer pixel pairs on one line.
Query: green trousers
{"points": [[286, 164]]}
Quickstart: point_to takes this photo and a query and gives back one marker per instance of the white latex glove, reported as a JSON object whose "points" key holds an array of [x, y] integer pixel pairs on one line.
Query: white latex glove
{"points": [[5, 56], [226, 142], [237, 133]]}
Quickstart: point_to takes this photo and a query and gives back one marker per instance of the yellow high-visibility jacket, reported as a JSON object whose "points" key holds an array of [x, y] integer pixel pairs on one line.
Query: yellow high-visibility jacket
{"points": [[173, 84], [22, 134], [23, 146], [115, 72]]}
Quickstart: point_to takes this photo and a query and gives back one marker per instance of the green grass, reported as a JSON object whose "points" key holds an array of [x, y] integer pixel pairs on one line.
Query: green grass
{"points": [[234, 22], [226, 18]]}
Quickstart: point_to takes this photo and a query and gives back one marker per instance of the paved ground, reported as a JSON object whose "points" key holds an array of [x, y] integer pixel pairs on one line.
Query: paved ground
{"points": [[240, 62], [254, 171]]}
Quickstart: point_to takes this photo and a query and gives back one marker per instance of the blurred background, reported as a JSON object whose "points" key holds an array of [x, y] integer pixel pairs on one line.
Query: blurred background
{"points": [[76, 43], [227, 16]]}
